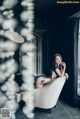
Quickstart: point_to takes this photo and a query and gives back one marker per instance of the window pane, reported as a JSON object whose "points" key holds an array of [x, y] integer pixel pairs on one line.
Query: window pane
{"points": [[79, 61]]}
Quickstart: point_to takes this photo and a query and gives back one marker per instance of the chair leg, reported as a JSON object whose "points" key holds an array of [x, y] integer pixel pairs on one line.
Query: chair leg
{"points": [[54, 106], [50, 110]]}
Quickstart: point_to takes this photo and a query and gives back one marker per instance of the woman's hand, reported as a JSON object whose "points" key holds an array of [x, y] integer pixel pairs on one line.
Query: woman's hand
{"points": [[66, 75], [64, 65]]}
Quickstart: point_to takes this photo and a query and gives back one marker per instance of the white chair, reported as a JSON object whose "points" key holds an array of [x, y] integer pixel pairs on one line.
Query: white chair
{"points": [[47, 96]]}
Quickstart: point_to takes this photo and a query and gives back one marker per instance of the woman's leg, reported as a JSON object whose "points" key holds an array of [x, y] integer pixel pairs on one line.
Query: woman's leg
{"points": [[38, 82], [46, 80], [41, 81]]}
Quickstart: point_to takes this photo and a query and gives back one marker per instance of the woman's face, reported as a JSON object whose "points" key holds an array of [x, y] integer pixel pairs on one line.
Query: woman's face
{"points": [[58, 60]]}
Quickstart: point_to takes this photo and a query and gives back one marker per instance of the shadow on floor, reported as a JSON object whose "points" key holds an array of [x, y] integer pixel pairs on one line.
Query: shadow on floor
{"points": [[62, 111]]}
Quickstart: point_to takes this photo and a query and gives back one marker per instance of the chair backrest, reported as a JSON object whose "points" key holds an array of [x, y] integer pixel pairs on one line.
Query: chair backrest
{"points": [[47, 96]]}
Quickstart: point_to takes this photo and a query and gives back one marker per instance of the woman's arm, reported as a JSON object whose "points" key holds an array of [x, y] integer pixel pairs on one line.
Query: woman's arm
{"points": [[61, 73]]}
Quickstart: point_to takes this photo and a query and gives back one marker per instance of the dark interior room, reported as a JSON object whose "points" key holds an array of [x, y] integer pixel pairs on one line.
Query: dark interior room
{"points": [[56, 31], [56, 23]]}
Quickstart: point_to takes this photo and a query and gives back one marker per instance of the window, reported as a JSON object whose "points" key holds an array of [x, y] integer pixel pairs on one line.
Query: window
{"points": [[79, 61], [38, 55]]}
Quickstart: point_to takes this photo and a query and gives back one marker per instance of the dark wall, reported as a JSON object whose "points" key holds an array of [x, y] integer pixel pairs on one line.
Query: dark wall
{"points": [[60, 39]]}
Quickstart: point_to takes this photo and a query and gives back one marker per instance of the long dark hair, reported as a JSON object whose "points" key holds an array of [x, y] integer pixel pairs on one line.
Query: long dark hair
{"points": [[60, 58], [57, 54]]}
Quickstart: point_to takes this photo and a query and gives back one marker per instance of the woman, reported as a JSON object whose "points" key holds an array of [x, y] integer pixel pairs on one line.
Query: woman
{"points": [[58, 70]]}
